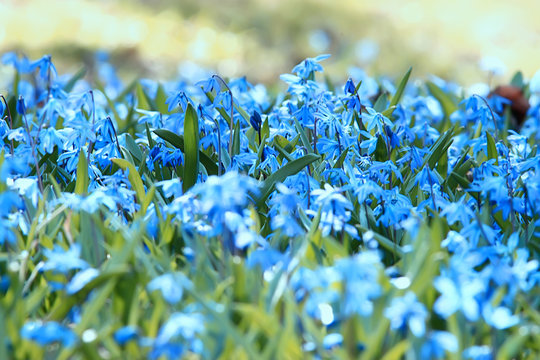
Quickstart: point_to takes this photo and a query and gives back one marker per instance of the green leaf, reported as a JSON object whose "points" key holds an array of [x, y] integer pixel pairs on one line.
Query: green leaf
{"points": [[400, 89], [513, 345], [303, 136], [160, 99], [492, 148], [133, 147], [341, 159], [388, 112], [151, 142], [289, 169], [447, 103], [439, 148], [133, 176], [381, 153], [81, 184], [397, 351], [144, 101], [517, 80], [191, 148], [178, 142], [236, 139], [380, 103]]}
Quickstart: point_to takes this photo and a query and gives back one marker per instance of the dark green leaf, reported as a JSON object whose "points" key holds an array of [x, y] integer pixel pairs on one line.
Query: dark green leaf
{"points": [[81, 184], [400, 88], [178, 142], [191, 148]]}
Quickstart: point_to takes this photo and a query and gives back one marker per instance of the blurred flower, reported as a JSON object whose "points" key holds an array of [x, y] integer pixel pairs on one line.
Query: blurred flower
{"points": [[125, 334], [499, 317], [458, 295], [437, 343], [405, 311], [179, 332], [46, 333], [333, 340], [62, 261], [476, 352], [80, 280], [171, 286], [492, 65]]}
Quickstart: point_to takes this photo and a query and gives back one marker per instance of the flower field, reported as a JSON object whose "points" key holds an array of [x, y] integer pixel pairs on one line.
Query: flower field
{"points": [[371, 219]]}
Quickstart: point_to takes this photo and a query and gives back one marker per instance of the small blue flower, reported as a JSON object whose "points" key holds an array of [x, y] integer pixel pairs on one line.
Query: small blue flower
{"points": [[499, 317], [476, 352], [210, 84], [458, 295], [437, 343], [180, 331], [80, 280], [170, 285], [349, 87], [46, 333], [21, 106], [309, 66], [62, 261], [333, 340], [407, 310], [255, 121], [375, 120], [125, 334]]}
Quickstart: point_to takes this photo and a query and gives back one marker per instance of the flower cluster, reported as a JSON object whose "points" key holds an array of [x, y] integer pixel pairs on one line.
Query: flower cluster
{"points": [[219, 220]]}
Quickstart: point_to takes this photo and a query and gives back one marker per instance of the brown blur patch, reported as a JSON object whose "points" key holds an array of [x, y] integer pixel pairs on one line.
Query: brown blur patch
{"points": [[520, 105]]}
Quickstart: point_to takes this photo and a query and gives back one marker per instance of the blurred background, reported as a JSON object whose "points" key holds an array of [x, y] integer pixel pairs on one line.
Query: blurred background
{"points": [[261, 39]]}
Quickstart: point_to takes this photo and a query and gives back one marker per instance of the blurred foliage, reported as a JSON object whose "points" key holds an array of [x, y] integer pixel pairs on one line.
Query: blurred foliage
{"points": [[262, 39]]}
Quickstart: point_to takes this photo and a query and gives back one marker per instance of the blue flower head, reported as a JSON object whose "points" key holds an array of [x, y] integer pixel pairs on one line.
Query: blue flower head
{"points": [[62, 261], [46, 333], [349, 87], [407, 311], [309, 66]]}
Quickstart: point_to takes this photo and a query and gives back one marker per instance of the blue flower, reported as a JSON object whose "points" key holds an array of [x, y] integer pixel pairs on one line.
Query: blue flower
{"points": [[255, 120], [171, 286], [476, 352], [375, 120], [426, 178], [22, 65], [21, 106], [180, 331], [437, 343], [499, 317], [458, 212], [360, 275], [333, 340], [393, 139], [309, 66], [44, 64], [349, 87], [305, 116], [125, 334], [407, 310], [177, 98], [458, 295], [46, 333], [210, 84], [80, 280], [62, 261], [335, 210], [266, 258]]}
